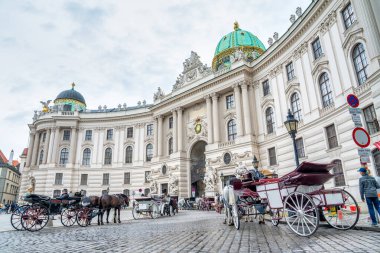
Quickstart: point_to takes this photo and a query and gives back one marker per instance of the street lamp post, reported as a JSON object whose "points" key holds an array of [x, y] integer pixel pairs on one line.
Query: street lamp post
{"points": [[291, 125], [222, 179], [255, 162]]}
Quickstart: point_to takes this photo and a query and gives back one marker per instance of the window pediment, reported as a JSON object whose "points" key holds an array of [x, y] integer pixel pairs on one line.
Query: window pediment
{"points": [[291, 88], [268, 100], [319, 66], [352, 37]]}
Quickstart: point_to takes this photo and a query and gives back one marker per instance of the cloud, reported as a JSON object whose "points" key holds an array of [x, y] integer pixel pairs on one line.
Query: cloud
{"points": [[115, 51]]}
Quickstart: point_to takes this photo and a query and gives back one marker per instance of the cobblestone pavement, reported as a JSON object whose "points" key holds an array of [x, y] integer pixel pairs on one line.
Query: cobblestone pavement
{"points": [[190, 231]]}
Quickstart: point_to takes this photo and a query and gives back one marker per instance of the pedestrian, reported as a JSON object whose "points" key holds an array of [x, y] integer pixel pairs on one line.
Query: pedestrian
{"points": [[368, 189]]}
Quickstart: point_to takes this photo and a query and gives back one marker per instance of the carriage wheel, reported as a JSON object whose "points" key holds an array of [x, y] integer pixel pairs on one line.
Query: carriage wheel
{"points": [[16, 217], [155, 211], [68, 217], [136, 213], [83, 217], [345, 216], [301, 214], [235, 216], [276, 216], [34, 218]]}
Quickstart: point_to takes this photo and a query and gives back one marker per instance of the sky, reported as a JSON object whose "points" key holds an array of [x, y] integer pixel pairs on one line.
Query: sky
{"points": [[115, 51]]}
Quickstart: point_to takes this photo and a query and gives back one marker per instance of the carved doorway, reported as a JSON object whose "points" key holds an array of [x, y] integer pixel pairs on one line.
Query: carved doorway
{"points": [[198, 169]]}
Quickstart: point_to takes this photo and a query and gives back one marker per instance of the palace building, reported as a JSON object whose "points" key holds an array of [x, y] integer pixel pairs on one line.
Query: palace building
{"points": [[216, 117]]}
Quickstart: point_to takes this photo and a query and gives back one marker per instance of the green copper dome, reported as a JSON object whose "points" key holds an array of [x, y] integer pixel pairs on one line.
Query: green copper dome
{"points": [[237, 40]]}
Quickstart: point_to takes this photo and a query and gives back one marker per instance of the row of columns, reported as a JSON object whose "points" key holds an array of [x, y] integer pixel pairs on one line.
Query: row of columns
{"points": [[243, 115]]}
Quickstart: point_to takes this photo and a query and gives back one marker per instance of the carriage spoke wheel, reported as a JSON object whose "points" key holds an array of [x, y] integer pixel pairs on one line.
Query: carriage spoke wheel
{"points": [[276, 216], [83, 217], [136, 213], [35, 218], [344, 216], [301, 214], [16, 218], [155, 211], [235, 216], [68, 217]]}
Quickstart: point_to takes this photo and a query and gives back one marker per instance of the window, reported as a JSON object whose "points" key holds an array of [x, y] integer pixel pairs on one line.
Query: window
{"points": [[149, 152], [66, 108], [371, 120], [58, 178], [147, 176], [109, 134], [88, 136], [348, 16], [338, 172], [326, 93], [56, 193], [230, 101], [128, 154], [83, 179], [170, 144], [360, 62], [44, 137], [266, 88], [86, 157], [296, 106], [376, 160], [270, 120], [317, 49], [108, 156], [290, 71], [66, 135], [106, 178], [126, 192], [170, 122], [41, 157], [130, 132], [64, 157], [272, 156], [231, 130], [149, 129], [300, 148], [127, 178], [331, 136]]}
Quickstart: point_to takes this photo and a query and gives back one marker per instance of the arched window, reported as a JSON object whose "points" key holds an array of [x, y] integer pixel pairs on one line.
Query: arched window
{"points": [[231, 130], [170, 144], [324, 85], [64, 157], [360, 62], [108, 156], [149, 152], [86, 156], [376, 160], [269, 116], [41, 157], [296, 106], [338, 172], [128, 154]]}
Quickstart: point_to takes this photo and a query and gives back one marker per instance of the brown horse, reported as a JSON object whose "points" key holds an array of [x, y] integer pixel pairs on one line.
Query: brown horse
{"points": [[106, 202]]}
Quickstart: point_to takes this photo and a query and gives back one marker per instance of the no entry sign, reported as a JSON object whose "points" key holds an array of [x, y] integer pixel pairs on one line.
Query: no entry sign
{"points": [[361, 137], [352, 100]]}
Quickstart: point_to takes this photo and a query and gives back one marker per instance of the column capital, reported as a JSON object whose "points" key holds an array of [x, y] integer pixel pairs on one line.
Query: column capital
{"points": [[244, 85], [74, 127], [173, 110], [235, 86], [214, 95], [179, 109]]}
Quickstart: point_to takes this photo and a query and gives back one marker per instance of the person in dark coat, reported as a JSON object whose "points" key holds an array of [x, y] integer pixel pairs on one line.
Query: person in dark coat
{"points": [[368, 193]]}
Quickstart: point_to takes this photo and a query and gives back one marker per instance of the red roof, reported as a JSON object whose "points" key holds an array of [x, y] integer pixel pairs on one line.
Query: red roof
{"points": [[4, 159]]}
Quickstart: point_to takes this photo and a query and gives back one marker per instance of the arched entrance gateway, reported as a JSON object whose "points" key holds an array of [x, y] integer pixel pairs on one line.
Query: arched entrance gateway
{"points": [[197, 169]]}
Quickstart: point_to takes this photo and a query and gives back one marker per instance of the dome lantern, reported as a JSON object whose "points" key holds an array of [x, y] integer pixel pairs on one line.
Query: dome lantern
{"points": [[70, 100]]}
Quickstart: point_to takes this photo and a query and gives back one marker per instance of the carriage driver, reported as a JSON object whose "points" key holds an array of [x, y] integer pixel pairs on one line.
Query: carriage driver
{"points": [[64, 194]]}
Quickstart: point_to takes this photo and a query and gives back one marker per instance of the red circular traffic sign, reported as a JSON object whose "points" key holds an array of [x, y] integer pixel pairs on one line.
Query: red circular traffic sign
{"points": [[361, 137], [352, 100]]}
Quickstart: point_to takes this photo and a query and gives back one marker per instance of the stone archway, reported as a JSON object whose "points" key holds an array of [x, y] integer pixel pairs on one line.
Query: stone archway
{"points": [[197, 169]]}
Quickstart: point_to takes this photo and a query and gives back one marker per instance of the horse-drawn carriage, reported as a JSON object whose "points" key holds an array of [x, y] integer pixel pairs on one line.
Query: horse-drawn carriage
{"points": [[35, 216], [299, 197], [154, 206]]}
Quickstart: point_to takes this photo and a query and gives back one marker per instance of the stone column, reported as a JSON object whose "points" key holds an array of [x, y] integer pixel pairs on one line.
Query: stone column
{"points": [[246, 109], [180, 130], [73, 144], [100, 146], [35, 148], [238, 109], [121, 144], [159, 145], [95, 139], [209, 119], [51, 145], [55, 146], [32, 136], [155, 128], [115, 151], [46, 148], [215, 119], [175, 138]]}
